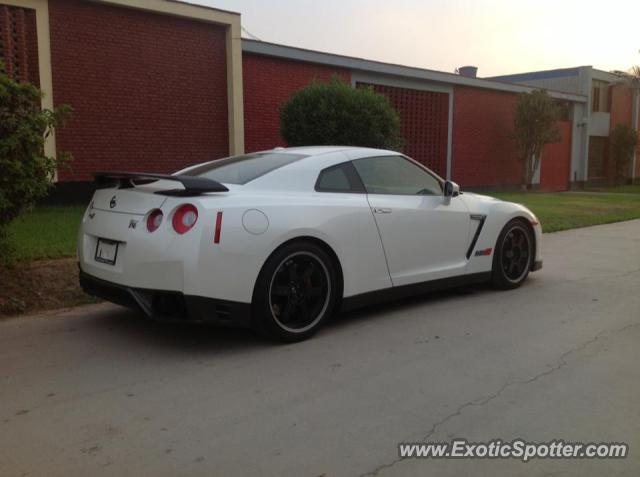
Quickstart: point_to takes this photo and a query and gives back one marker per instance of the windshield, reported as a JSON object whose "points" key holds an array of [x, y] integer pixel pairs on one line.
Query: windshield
{"points": [[242, 169]]}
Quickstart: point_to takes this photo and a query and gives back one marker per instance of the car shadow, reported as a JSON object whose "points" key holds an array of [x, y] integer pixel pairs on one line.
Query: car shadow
{"points": [[382, 310], [134, 327]]}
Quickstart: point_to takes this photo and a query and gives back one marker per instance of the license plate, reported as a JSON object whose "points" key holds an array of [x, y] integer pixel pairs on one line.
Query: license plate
{"points": [[106, 251]]}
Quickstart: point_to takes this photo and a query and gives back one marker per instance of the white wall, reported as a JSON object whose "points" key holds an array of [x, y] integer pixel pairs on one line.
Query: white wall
{"points": [[599, 124]]}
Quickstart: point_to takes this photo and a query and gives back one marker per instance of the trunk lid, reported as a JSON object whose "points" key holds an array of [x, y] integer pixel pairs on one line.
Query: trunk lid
{"points": [[135, 200]]}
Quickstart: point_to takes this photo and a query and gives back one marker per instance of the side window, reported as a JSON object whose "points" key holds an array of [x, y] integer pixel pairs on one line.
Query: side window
{"points": [[341, 178], [396, 175]]}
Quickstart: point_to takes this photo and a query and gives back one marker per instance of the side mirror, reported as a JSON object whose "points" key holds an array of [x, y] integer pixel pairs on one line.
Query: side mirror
{"points": [[451, 189]]}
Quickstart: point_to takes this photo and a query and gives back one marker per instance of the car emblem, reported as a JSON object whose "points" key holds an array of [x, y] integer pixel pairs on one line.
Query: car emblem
{"points": [[92, 215], [132, 224], [113, 202]]}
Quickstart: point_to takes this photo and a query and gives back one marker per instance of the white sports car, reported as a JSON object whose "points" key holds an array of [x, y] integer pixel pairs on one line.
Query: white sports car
{"points": [[281, 239]]}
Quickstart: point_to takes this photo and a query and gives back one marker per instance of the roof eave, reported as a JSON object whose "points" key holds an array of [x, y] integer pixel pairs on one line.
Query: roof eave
{"points": [[360, 64]]}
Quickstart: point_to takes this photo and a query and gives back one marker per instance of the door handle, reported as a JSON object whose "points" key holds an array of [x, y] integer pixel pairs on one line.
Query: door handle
{"points": [[381, 210]]}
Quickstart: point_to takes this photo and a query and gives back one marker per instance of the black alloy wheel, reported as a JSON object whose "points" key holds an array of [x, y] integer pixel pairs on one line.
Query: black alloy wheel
{"points": [[295, 292], [513, 256], [299, 291]]}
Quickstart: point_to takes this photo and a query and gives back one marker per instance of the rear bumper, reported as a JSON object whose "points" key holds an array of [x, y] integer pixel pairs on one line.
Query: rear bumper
{"points": [[163, 305]]}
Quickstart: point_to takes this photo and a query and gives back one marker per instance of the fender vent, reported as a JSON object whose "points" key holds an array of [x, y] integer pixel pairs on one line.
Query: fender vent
{"points": [[480, 218]]}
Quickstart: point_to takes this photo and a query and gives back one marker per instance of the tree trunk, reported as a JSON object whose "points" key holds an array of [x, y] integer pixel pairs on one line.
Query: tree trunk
{"points": [[530, 170], [531, 166], [526, 159]]}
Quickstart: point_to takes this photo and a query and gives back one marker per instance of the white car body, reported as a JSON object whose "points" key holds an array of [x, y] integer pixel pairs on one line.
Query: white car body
{"points": [[381, 241]]}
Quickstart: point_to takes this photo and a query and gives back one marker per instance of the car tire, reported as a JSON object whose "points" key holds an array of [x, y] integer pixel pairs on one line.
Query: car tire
{"points": [[296, 292], [513, 256]]}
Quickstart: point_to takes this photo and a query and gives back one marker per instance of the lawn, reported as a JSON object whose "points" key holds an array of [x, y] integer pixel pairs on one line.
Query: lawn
{"points": [[625, 189], [34, 283], [568, 210], [46, 232]]}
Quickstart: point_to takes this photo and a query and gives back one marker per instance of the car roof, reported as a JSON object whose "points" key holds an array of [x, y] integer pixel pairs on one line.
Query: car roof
{"points": [[312, 150], [330, 153], [302, 174]]}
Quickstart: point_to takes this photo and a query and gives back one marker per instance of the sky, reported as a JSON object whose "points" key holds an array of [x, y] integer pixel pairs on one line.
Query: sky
{"points": [[498, 36]]}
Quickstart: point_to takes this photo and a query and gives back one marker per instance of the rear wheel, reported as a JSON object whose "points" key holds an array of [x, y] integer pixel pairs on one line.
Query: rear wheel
{"points": [[295, 292], [513, 255]]}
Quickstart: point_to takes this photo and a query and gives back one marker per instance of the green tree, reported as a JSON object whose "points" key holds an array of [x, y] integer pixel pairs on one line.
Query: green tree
{"points": [[25, 170], [535, 124], [335, 113], [622, 142]]}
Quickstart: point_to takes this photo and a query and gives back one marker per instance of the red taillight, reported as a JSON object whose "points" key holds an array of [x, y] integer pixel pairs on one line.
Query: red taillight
{"points": [[216, 236], [154, 220], [185, 218]]}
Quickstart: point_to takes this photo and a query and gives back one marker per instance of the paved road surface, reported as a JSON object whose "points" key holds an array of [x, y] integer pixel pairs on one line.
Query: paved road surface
{"points": [[98, 391]]}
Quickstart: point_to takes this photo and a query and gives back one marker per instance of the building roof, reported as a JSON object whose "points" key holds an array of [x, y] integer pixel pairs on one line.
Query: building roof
{"points": [[607, 76], [560, 73], [205, 7], [371, 66], [538, 75]]}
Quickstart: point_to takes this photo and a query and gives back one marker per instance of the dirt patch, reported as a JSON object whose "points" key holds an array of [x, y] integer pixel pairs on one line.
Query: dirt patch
{"points": [[40, 285]]}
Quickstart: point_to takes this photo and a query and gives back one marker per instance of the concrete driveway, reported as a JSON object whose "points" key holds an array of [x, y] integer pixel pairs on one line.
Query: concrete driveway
{"points": [[98, 391]]}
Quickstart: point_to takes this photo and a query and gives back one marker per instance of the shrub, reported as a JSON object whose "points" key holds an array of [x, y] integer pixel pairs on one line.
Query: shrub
{"points": [[335, 113], [26, 170], [622, 140]]}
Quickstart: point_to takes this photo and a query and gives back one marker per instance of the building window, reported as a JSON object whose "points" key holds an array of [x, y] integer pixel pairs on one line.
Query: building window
{"points": [[599, 97], [564, 110]]}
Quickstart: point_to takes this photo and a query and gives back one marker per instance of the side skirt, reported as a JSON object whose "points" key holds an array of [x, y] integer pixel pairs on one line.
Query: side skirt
{"points": [[404, 291]]}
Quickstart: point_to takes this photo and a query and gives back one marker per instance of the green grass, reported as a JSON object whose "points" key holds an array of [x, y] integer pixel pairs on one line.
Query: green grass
{"points": [[46, 232], [625, 189], [567, 210]]}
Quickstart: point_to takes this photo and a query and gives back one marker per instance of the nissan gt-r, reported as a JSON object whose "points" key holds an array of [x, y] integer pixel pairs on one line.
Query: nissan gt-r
{"points": [[280, 240]]}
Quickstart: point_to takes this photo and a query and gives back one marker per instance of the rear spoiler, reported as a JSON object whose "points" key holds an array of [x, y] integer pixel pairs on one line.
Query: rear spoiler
{"points": [[192, 185]]}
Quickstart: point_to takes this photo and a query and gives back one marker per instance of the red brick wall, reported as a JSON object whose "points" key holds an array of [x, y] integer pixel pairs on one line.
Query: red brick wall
{"points": [[621, 103], [19, 43], [424, 124], [556, 161], [148, 91], [621, 107], [483, 153], [268, 82]]}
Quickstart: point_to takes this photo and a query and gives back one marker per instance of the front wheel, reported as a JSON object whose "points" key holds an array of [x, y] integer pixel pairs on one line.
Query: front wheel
{"points": [[295, 292], [513, 255]]}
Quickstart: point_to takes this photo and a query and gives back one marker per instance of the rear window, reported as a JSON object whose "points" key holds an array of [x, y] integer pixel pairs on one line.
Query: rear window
{"points": [[243, 169]]}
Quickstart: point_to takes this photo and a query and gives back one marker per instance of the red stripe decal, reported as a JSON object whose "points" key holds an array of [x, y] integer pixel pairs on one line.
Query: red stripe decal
{"points": [[216, 237]]}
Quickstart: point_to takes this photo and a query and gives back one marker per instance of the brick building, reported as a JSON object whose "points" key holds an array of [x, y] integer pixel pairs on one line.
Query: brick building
{"points": [[154, 85], [611, 101], [157, 84]]}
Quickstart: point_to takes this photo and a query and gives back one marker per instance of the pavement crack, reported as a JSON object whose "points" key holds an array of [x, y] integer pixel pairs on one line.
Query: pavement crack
{"points": [[481, 401]]}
